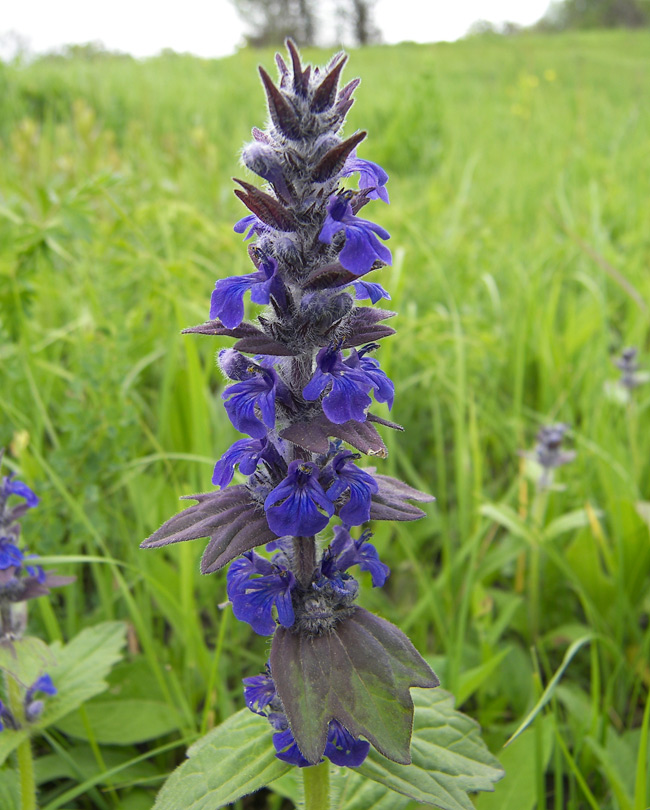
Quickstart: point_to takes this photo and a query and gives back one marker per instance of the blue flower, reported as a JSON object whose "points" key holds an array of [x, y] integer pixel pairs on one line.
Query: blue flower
{"points": [[371, 176], [257, 388], [341, 748], [10, 555], [34, 708], [382, 386], [348, 395], [252, 222], [295, 507], [11, 486], [347, 477], [255, 585], [43, 684], [245, 452], [345, 551], [259, 692], [362, 248], [227, 302], [369, 289]]}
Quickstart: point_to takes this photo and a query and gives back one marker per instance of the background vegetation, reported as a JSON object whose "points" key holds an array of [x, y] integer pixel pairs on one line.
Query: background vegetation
{"points": [[519, 222]]}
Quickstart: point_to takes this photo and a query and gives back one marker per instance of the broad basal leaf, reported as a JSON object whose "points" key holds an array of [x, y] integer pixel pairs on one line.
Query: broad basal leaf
{"points": [[359, 674], [122, 722], [79, 674], [449, 757], [25, 659], [231, 761]]}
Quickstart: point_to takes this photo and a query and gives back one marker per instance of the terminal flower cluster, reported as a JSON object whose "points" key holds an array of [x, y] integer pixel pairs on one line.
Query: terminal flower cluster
{"points": [[20, 579], [303, 379]]}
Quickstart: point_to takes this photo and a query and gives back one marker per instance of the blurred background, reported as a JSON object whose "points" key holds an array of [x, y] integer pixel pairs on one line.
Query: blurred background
{"points": [[519, 165]]}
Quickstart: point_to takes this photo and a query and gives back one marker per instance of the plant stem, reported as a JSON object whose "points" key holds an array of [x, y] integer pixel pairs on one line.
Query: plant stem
{"points": [[316, 781], [24, 751], [304, 551]]}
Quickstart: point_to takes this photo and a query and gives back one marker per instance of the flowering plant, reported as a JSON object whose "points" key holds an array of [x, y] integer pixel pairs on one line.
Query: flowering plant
{"points": [[304, 376]]}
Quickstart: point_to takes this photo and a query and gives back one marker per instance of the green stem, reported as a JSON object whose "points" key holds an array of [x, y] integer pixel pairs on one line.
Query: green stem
{"points": [[316, 781], [24, 751]]}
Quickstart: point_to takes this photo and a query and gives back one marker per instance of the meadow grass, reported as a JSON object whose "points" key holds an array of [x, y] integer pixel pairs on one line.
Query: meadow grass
{"points": [[520, 206]]}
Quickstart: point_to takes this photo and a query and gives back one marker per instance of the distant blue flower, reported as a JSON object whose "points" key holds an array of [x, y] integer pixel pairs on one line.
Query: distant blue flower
{"points": [[251, 221], [255, 585], [295, 507], [7, 720], [369, 289], [11, 486], [348, 395], [34, 708], [345, 551], [10, 555], [382, 386], [257, 388], [371, 176], [227, 302], [362, 248], [43, 684], [347, 477], [259, 692], [245, 452]]}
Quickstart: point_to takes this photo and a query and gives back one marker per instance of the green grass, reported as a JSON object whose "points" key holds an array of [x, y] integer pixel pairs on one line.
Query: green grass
{"points": [[519, 221]]}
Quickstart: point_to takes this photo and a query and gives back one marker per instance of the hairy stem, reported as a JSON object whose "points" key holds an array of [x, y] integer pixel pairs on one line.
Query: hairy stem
{"points": [[304, 557], [24, 751], [316, 781]]}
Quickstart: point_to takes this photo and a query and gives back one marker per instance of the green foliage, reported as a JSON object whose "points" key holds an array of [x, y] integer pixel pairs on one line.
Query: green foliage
{"points": [[519, 226], [233, 760], [449, 758], [78, 670]]}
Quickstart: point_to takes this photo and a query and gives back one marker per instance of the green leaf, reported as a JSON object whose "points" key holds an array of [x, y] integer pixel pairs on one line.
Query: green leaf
{"points": [[79, 673], [80, 763], [449, 757], [231, 761], [9, 789], [519, 788], [474, 678], [25, 659], [122, 722], [359, 674], [507, 517], [577, 519], [547, 694]]}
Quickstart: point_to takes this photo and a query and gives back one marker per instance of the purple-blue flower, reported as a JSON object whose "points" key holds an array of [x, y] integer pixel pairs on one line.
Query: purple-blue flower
{"points": [[344, 552], [227, 302], [43, 684], [347, 477], [369, 289], [255, 586], [252, 222], [381, 385], [257, 388], [341, 748], [245, 452], [348, 387], [371, 176], [10, 555], [296, 506], [362, 248], [11, 486], [259, 692]]}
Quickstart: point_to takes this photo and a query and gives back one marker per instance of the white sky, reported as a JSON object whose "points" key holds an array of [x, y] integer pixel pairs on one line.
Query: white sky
{"points": [[212, 28]]}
